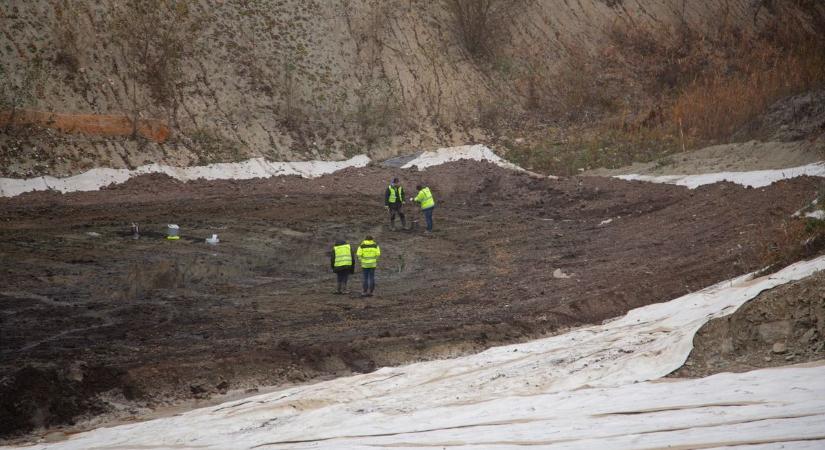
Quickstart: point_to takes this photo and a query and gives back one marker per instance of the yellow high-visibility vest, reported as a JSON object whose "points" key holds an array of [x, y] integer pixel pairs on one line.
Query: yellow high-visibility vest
{"points": [[343, 255], [368, 253], [396, 194], [425, 197]]}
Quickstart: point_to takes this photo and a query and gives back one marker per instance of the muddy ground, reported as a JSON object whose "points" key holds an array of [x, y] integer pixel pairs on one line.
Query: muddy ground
{"points": [[94, 321]]}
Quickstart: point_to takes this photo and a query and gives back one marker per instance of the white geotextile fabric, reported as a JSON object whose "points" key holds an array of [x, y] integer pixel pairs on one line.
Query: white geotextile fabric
{"points": [[588, 388], [476, 152], [96, 178], [252, 168], [756, 178]]}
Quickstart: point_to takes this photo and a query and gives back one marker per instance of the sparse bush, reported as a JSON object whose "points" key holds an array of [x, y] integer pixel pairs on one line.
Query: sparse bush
{"points": [[786, 58], [154, 38], [65, 36], [717, 105], [584, 91], [480, 24], [702, 84], [793, 240], [377, 111], [292, 115], [211, 146]]}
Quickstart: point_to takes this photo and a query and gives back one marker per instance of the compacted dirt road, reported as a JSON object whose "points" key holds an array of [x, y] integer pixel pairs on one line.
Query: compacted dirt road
{"points": [[94, 321]]}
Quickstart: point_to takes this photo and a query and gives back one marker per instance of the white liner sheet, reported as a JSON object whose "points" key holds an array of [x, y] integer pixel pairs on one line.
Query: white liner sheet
{"points": [[476, 152], [585, 389], [252, 168], [756, 178]]}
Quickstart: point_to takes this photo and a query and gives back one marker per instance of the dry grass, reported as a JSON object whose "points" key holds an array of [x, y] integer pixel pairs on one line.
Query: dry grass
{"points": [[794, 240], [786, 57], [716, 105], [702, 85], [570, 151], [658, 89]]}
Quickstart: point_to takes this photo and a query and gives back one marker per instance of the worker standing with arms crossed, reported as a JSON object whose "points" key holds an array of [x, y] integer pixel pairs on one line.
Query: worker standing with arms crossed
{"points": [[425, 198], [368, 253], [394, 201]]}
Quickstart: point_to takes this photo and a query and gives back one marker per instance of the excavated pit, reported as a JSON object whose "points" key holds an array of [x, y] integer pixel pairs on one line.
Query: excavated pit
{"points": [[90, 314]]}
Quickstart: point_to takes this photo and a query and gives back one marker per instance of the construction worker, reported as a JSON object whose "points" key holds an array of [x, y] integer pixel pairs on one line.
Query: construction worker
{"points": [[427, 202], [343, 263], [368, 253], [394, 201]]}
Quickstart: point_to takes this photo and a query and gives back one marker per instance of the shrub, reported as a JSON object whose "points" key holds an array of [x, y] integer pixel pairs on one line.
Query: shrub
{"points": [[377, 111], [65, 36], [784, 57], [794, 240], [155, 36], [717, 105], [480, 24]]}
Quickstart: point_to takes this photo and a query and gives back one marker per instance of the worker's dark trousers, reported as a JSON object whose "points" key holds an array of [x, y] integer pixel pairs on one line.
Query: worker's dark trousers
{"points": [[428, 216], [343, 276], [369, 280], [395, 208]]}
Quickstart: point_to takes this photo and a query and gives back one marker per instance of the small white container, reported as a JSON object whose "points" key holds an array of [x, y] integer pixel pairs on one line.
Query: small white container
{"points": [[213, 240], [172, 232]]}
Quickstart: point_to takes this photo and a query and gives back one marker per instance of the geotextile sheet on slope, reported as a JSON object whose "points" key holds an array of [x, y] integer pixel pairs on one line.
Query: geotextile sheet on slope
{"points": [[755, 178], [476, 152], [252, 168], [592, 387]]}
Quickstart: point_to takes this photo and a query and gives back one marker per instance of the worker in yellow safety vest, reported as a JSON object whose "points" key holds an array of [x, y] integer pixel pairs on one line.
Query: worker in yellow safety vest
{"points": [[427, 202], [368, 253], [343, 263], [394, 202]]}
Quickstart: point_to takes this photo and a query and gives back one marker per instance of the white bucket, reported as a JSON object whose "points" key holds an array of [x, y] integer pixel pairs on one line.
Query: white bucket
{"points": [[172, 232]]}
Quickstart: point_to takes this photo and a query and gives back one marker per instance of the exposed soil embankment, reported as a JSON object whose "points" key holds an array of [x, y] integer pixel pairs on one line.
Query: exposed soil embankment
{"points": [[611, 81], [783, 326], [176, 320], [88, 124]]}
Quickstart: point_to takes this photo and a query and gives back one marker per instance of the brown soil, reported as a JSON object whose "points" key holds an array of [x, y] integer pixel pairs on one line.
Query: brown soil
{"points": [[88, 124], [93, 319], [783, 326]]}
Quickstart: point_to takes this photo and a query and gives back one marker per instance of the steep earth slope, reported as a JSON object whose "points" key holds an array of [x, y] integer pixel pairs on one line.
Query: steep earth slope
{"points": [[294, 79]]}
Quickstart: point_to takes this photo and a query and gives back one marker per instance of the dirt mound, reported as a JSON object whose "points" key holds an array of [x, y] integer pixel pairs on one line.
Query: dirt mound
{"points": [[799, 117], [783, 326], [185, 319], [44, 397], [89, 124], [150, 183]]}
